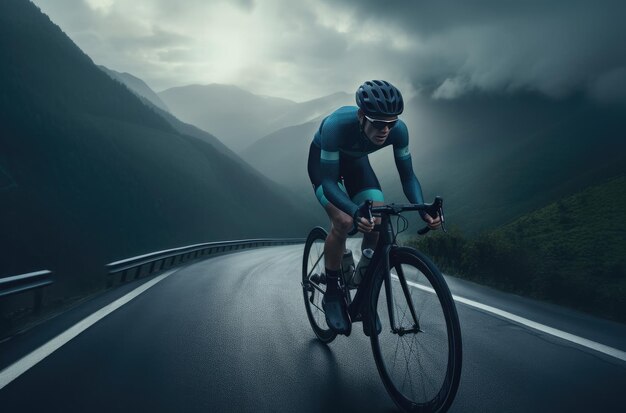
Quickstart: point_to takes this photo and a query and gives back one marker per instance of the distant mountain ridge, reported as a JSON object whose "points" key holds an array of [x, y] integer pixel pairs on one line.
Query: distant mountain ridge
{"points": [[137, 86], [254, 154], [283, 155], [146, 94], [239, 117]]}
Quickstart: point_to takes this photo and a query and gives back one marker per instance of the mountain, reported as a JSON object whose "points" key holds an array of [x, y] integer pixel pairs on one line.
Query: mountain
{"points": [[137, 86], [310, 110], [283, 155], [227, 111], [256, 155], [492, 158], [90, 174], [576, 246], [240, 117], [146, 94]]}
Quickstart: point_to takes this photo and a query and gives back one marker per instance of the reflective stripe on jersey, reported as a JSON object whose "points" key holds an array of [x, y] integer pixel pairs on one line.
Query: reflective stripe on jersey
{"points": [[402, 153], [330, 156]]}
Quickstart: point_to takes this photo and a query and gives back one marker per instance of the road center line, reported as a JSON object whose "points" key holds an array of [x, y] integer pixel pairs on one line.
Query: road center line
{"points": [[609, 351], [22, 365]]}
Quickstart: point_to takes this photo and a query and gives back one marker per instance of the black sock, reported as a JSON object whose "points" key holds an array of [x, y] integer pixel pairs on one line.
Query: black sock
{"points": [[332, 280]]}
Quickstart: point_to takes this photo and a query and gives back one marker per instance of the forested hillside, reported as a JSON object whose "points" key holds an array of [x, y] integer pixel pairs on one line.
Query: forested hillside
{"points": [[570, 252]]}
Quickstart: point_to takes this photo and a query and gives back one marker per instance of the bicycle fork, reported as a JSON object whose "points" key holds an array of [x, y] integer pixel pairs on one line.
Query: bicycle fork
{"points": [[400, 331]]}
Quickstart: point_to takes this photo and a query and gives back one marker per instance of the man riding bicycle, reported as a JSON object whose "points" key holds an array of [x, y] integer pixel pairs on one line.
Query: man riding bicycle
{"points": [[343, 178]]}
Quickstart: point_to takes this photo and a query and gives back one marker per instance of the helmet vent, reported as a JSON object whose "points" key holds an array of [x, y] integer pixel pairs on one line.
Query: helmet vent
{"points": [[379, 98]]}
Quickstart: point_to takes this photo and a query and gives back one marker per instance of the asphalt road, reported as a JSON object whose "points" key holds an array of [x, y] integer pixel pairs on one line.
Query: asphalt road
{"points": [[231, 334]]}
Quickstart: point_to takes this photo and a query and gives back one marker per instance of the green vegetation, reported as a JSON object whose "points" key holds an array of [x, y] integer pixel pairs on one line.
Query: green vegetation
{"points": [[572, 252]]}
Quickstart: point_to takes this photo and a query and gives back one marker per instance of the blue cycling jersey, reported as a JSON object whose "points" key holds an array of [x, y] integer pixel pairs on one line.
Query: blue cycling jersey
{"points": [[339, 138]]}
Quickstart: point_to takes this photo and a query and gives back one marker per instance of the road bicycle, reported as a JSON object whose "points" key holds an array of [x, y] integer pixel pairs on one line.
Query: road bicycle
{"points": [[406, 308]]}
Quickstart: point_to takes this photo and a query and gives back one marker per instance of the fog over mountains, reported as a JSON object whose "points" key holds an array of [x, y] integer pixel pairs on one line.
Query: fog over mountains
{"points": [[239, 117]]}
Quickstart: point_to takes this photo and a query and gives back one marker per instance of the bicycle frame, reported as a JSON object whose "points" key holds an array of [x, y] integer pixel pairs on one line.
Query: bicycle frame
{"points": [[360, 309], [390, 349]]}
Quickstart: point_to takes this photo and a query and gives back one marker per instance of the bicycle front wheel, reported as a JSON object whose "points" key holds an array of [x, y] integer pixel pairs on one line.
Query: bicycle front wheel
{"points": [[314, 283], [418, 350]]}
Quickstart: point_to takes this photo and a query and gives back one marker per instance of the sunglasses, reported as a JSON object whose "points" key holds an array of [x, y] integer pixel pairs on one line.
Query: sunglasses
{"points": [[379, 124]]}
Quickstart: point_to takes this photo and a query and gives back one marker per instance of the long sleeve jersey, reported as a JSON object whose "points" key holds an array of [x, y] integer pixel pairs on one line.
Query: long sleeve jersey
{"points": [[339, 135]]}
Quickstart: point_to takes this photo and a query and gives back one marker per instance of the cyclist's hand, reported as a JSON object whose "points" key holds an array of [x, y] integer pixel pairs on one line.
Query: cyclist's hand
{"points": [[433, 223], [364, 225]]}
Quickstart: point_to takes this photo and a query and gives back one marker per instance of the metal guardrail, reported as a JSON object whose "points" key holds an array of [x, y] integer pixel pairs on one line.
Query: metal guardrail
{"points": [[148, 264], [25, 282]]}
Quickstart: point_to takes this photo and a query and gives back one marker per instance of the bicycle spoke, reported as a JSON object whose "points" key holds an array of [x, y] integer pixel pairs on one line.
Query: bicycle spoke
{"points": [[319, 308], [315, 265], [317, 287], [421, 364]]}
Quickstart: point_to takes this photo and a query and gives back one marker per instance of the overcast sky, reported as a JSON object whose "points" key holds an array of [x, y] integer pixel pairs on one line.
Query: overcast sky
{"points": [[305, 49]]}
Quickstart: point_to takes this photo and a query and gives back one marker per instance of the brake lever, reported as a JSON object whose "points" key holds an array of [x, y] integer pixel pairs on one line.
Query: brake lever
{"points": [[438, 204], [443, 221], [365, 211]]}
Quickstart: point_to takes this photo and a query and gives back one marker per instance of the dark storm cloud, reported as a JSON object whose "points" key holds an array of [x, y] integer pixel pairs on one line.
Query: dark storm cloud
{"points": [[555, 47], [309, 48]]}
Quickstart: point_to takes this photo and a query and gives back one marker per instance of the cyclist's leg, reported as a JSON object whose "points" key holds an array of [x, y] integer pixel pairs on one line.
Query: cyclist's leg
{"points": [[340, 225], [334, 301], [362, 184], [340, 222]]}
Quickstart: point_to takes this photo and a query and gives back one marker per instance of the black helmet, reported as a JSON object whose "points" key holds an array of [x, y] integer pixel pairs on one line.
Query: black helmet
{"points": [[379, 98]]}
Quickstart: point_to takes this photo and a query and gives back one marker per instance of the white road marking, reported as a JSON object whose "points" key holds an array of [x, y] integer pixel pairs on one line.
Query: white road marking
{"points": [[22, 365], [609, 351]]}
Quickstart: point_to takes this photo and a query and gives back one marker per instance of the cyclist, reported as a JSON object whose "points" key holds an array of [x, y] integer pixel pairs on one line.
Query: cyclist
{"points": [[343, 178]]}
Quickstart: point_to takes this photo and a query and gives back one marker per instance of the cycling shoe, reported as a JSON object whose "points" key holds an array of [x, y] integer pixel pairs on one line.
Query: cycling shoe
{"points": [[335, 309]]}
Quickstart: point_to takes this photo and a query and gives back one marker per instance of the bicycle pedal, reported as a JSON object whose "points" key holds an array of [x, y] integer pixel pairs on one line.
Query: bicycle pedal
{"points": [[318, 278]]}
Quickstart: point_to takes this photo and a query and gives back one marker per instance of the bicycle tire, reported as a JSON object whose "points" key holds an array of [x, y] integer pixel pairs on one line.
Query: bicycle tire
{"points": [[313, 263], [420, 369]]}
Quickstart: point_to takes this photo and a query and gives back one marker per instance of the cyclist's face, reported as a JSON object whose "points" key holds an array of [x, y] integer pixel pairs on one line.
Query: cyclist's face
{"points": [[374, 132]]}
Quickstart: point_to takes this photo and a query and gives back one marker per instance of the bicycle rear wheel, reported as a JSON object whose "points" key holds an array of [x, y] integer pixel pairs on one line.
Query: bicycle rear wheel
{"points": [[418, 351], [314, 284]]}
